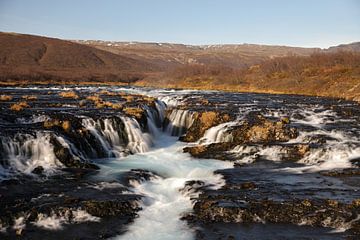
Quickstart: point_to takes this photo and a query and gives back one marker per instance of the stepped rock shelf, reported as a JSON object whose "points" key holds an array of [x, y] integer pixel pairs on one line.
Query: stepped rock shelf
{"points": [[141, 163]]}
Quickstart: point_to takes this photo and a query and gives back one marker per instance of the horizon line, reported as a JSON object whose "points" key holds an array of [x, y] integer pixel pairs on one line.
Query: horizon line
{"points": [[186, 44]]}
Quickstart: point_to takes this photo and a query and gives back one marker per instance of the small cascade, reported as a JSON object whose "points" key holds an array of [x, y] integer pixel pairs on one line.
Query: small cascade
{"points": [[160, 107], [218, 133], [24, 152], [75, 153], [179, 122], [153, 121], [107, 132], [139, 142], [91, 126]]}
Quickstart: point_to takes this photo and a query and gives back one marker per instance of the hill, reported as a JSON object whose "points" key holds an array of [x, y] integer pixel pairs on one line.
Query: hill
{"points": [[41, 59], [334, 72], [167, 55]]}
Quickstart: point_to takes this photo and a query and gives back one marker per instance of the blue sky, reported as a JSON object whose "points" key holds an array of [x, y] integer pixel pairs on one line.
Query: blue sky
{"points": [[318, 23]]}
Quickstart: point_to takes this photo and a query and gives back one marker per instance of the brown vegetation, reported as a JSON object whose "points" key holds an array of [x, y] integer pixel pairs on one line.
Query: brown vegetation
{"points": [[69, 94], [134, 112], [5, 98], [65, 125], [33, 59], [29, 97], [323, 74], [26, 59], [19, 106]]}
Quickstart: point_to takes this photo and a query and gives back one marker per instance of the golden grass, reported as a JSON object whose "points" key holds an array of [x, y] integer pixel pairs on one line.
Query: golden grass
{"points": [[69, 94], [19, 106], [29, 97], [94, 98], [65, 125], [136, 112], [105, 92], [5, 98], [128, 98]]}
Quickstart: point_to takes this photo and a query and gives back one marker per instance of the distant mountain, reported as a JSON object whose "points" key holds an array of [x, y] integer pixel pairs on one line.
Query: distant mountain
{"points": [[167, 55], [353, 47]]}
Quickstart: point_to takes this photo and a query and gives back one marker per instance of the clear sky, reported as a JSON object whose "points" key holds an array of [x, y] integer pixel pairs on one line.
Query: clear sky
{"points": [[318, 23]]}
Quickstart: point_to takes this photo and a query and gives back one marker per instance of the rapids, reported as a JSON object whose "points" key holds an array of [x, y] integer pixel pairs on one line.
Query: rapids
{"points": [[120, 144]]}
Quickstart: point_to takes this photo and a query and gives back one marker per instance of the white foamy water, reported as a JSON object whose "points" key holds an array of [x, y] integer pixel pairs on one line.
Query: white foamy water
{"points": [[218, 133], [107, 133], [138, 141], [26, 152], [180, 121], [164, 202], [57, 221]]}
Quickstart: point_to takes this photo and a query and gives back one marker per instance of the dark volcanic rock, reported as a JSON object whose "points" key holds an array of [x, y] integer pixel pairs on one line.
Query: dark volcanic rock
{"points": [[61, 197], [69, 160]]}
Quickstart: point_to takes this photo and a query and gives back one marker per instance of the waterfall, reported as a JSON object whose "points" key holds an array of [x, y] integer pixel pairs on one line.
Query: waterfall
{"points": [[160, 107], [218, 133], [24, 152], [91, 126], [179, 122], [138, 141], [106, 131]]}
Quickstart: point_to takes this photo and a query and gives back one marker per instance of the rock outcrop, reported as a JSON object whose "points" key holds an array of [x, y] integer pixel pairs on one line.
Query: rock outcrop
{"points": [[202, 122]]}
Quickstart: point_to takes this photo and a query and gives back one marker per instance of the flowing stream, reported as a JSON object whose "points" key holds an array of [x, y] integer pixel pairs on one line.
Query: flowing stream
{"points": [[170, 180], [165, 200]]}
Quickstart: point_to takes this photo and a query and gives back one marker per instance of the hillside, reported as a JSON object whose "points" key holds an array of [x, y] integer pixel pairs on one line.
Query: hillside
{"points": [[41, 59], [335, 72], [167, 55]]}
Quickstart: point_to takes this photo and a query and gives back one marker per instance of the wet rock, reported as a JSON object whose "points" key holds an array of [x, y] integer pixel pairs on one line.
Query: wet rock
{"points": [[203, 121], [355, 161], [137, 176], [111, 208], [248, 185], [295, 152], [64, 155], [309, 212], [255, 129], [38, 170], [342, 172], [258, 129], [61, 197], [214, 150]]}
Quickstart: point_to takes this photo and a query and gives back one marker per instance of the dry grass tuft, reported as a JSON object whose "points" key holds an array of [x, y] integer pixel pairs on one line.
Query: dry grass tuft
{"points": [[29, 97], [105, 92], [135, 112], [69, 94], [65, 125], [5, 98], [19, 106], [128, 98], [94, 98]]}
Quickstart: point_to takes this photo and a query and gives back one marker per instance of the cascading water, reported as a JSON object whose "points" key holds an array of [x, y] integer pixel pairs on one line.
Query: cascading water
{"points": [[179, 122], [106, 131], [167, 195], [218, 133], [91, 125], [24, 152], [138, 141], [164, 202]]}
